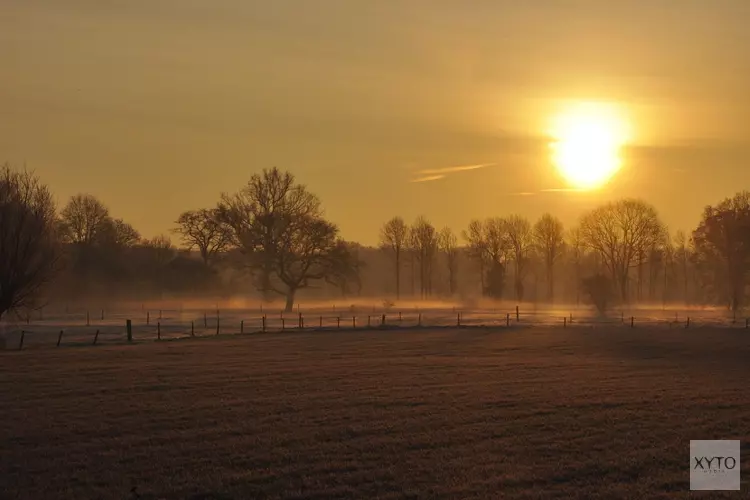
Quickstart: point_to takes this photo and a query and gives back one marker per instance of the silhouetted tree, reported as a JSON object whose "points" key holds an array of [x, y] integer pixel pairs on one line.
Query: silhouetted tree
{"points": [[448, 244], [521, 242], [204, 230], [722, 246], [682, 259], [279, 227], [577, 249], [29, 246], [83, 219], [394, 237], [488, 245], [118, 233], [424, 241], [548, 236], [476, 249], [346, 268], [598, 289], [621, 232]]}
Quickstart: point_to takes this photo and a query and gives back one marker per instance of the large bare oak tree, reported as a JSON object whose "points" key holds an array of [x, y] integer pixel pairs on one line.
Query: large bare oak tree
{"points": [[279, 227]]}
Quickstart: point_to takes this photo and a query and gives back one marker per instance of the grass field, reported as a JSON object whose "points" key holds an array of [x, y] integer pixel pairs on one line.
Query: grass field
{"points": [[506, 413]]}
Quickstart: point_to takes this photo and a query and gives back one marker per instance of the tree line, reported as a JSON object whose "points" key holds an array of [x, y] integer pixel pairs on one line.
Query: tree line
{"points": [[272, 237]]}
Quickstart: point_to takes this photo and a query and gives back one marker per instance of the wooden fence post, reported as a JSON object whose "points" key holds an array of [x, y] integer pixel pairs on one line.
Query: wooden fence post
{"points": [[338, 321], [299, 319], [129, 328], [354, 322], [687, 324], [158, 330], [263, 322], [96, 336], [192, 328], [321, 322], [282, 323], [217, 325], [382, 320], [518, 314], [242, 327], [148, 317], [20, 344], [59, 338], [399, 316], [632, 321], [458, 319], [419, 320]]}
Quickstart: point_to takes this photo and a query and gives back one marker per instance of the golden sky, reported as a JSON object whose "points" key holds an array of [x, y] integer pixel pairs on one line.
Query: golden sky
{"points": [[158, 106]]}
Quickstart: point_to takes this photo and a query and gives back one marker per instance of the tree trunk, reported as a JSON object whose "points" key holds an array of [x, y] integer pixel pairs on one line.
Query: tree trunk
{"points": [[551, 283], [290, 300], [398, 276]]}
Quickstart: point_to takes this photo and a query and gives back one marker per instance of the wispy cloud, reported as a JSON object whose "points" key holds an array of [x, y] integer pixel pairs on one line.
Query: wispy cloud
{"points": [[433, 174], [522, 193], [428, 178]]}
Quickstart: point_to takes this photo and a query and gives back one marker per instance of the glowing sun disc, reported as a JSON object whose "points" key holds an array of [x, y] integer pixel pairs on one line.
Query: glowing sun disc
{"points": [[586, 145]]}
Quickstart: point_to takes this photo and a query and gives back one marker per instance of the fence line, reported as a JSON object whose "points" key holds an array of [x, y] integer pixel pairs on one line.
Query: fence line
{"points": [[82, 328]]}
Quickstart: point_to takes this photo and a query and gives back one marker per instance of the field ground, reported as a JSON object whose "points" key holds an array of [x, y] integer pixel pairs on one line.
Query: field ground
{"points": [[524, 413]]}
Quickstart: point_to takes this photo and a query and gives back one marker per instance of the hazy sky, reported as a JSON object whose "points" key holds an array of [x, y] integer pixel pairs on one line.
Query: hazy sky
{"points": [[158, 106]]}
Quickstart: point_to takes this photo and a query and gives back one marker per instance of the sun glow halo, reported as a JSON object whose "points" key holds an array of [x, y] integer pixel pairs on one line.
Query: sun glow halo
{"points": [[586, 143]]}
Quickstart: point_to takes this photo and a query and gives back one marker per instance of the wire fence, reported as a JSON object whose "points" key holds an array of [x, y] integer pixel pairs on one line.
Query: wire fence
{"points": [[100, 327]]}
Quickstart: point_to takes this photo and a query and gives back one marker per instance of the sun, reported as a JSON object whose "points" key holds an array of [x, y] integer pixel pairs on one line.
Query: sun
{"points": [[587, 139]]}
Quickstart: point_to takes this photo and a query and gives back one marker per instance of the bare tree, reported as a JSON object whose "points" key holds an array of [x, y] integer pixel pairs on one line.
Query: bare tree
{"points": [[448, 244], [722, 246], [279, 227], [548, 236], [476, 242], [521, 243], [621, 233], [83, 219], [346, 268], [488, 245], [204, 230], [682, 258], [394, 237], [29, 247], [425, 242], [118, 233], [161, 253], [163, 249], [577, 249]]}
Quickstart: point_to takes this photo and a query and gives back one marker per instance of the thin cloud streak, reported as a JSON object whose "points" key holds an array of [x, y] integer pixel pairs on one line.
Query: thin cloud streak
{"points": [[450, 170], [433, 174], [428, 178]]}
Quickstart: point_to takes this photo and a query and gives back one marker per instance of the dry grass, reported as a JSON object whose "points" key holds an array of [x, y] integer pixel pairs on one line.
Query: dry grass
{"points": [[532, 413]]}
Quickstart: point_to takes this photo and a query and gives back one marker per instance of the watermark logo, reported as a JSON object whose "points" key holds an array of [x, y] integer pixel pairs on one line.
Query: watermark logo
{"points": [[715, 465]]}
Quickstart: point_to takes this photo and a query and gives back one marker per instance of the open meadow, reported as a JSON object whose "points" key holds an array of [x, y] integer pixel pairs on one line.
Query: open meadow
{"points": [[527, 413]]}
